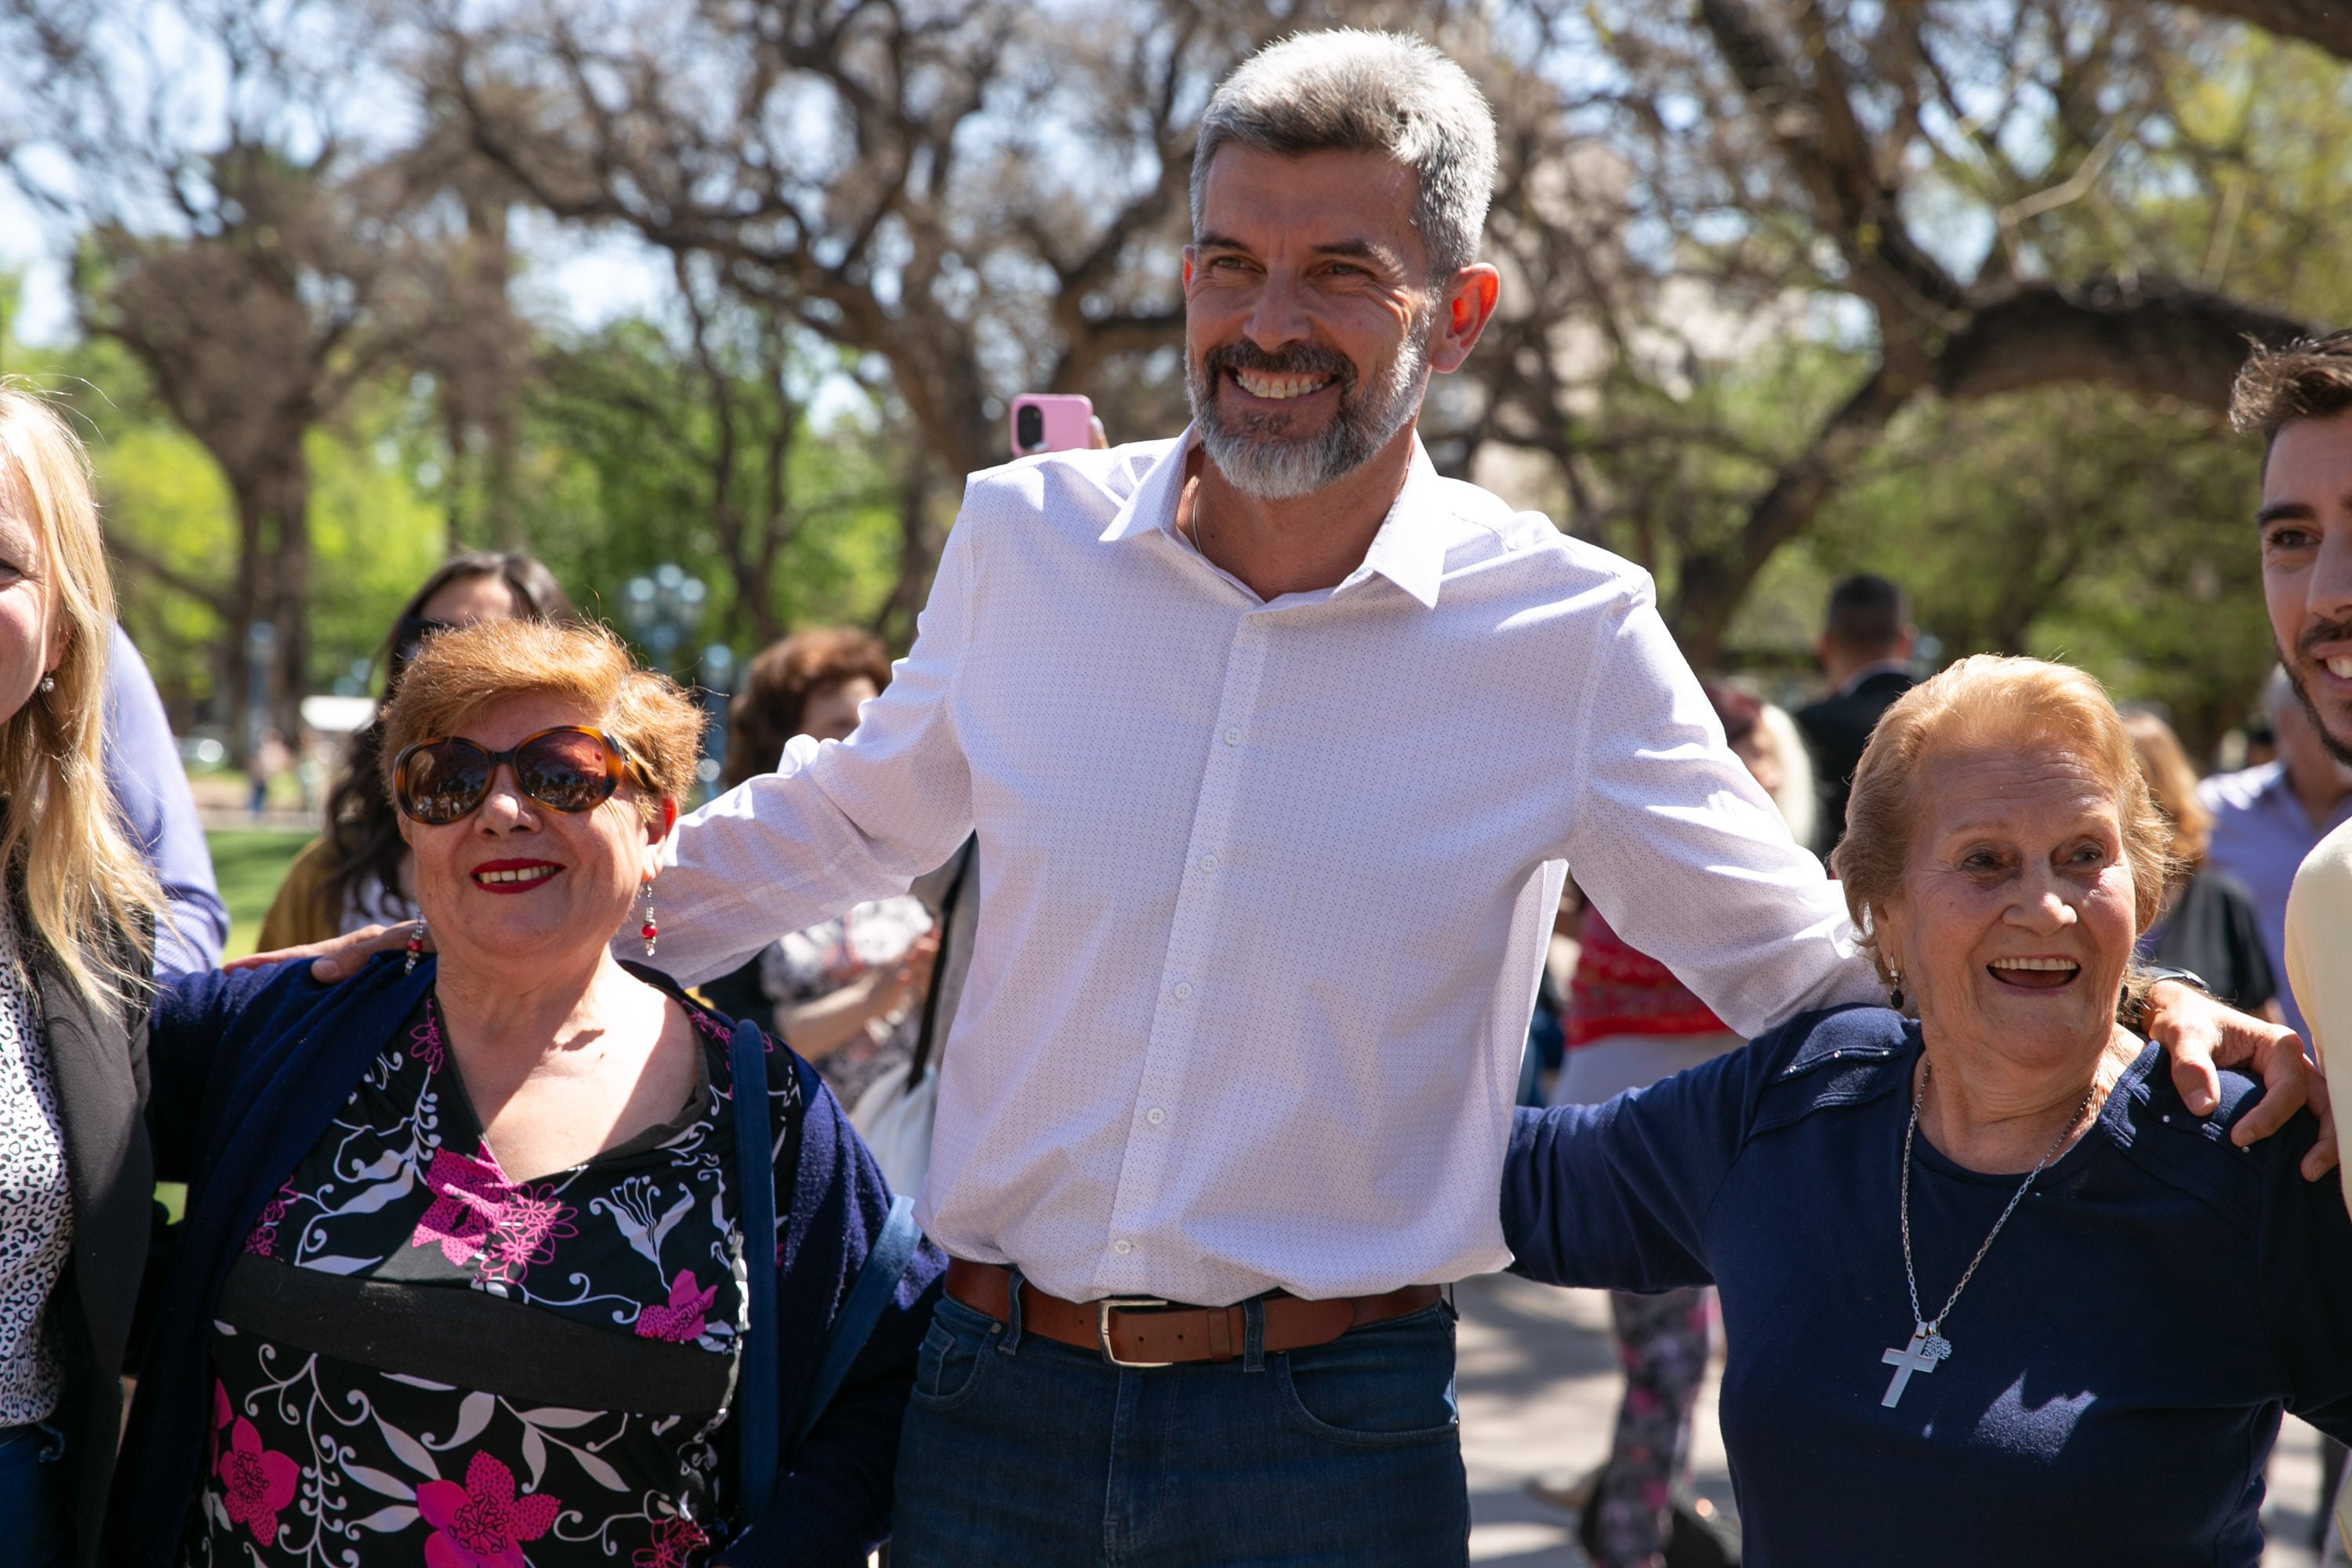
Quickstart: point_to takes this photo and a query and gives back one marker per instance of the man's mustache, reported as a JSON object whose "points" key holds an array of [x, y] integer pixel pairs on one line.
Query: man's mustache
{"points": [[1296, 359], [2322, 632]]}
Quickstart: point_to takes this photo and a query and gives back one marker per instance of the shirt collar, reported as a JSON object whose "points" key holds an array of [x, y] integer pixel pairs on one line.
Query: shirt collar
{"points": [[1409, 550], [1852, 683]]}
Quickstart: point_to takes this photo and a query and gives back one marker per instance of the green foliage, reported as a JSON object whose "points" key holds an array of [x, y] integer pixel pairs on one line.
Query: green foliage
{"points": [[2072, 524], [374, 537], [619, 467], [249, 863]]}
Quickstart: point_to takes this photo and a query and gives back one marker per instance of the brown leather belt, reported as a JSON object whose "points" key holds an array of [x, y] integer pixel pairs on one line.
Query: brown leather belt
{"points": [[1142, 1330]]}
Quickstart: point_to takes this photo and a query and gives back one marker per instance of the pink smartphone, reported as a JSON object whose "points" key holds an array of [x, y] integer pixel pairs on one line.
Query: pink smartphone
{"points": [[1052, 422]]}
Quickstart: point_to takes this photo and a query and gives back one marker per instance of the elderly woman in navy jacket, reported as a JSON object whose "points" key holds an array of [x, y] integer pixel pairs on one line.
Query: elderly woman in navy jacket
{"points": [[463, 1271], [1991, 1292]]}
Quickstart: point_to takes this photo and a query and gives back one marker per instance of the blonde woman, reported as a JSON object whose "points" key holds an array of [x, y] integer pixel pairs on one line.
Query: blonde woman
{"points": [[75, 1176]]}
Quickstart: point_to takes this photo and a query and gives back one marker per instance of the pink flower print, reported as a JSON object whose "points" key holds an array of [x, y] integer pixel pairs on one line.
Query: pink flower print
{"points": [[674, 1540], [681, 1321], [424, 1041], [263, 1239], [482, 1524], [255, 1482], [530, 1223], [707, 1023], [468, 1195]]}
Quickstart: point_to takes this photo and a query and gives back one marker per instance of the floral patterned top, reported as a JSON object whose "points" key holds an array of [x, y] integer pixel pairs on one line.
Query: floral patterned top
{"points": [[419, 1356]]}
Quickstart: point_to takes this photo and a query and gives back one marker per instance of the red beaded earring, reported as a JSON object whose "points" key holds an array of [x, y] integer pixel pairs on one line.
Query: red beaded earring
{"points": [[415, 945], [648, 930]]}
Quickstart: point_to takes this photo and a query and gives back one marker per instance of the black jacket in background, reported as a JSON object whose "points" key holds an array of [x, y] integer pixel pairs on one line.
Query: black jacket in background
{"points": [[2212, 932], [1837, 728], [98, 1060]]}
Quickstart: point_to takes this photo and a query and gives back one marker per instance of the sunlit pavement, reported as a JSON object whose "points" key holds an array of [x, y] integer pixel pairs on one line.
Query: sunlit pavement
{"points": [[1538, 1381]]}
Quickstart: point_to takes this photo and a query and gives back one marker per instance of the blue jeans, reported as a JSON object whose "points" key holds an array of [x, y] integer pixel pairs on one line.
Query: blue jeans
{"points": [[35, 1531], [1019, 1452]]}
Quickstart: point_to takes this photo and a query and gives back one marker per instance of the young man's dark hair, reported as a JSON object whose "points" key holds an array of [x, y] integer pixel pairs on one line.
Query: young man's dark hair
{"points": [[2309, 378]]}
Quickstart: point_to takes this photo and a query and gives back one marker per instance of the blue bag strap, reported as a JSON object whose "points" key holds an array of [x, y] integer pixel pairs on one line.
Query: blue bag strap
{"points": [[759, 1422], [868, 1295]]}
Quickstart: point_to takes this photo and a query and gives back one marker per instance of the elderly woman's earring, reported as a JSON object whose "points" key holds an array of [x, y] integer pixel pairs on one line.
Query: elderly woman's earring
{"points": [[648, 930], [415, 945], [1894, 989]]}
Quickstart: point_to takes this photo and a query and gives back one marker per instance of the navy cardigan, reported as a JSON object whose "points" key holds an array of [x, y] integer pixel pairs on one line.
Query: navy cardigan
{"points": [[249, 1068]]}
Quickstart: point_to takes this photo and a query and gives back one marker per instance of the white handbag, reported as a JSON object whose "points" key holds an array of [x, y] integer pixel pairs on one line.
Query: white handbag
{"points": [[896, 1113]]}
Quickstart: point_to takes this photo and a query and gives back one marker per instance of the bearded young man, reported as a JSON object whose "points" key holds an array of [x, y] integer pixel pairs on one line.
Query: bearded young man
{"points": [[1277, 745], [2299, 398]]}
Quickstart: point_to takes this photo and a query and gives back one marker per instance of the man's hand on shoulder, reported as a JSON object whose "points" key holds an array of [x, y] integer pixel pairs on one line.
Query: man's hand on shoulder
{"points": [[2204, 1035], [338, 958]]}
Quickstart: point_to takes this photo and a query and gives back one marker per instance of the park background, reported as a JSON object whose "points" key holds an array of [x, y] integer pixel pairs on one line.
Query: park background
{"points": [[711, 304], [1948, 289]]}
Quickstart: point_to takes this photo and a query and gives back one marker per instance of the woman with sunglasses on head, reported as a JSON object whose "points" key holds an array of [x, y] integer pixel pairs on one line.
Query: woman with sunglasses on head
{"points": [[357, 872], [470, 1268], [76, 944]]}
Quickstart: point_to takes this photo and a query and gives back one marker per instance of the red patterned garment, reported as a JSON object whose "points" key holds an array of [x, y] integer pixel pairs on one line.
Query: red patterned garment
{"points": [[1618, 991]]}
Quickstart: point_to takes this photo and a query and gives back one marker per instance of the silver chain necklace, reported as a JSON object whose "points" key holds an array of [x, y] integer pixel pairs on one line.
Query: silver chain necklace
{"points": [[1927, 1345]]}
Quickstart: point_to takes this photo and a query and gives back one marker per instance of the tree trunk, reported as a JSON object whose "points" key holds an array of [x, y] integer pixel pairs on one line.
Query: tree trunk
{"points": [[291, 613], [919, 553]]}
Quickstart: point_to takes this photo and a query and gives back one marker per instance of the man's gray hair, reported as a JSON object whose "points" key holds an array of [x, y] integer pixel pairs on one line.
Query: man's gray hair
{"points": [[1356, 91]]}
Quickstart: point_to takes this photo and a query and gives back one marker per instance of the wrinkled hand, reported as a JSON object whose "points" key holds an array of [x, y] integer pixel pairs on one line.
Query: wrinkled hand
{"points": [[338, 958], [2203, 1035]]}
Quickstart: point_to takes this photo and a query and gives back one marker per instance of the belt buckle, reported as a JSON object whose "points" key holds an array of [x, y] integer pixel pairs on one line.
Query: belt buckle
{"points": [[1103, 1310]]}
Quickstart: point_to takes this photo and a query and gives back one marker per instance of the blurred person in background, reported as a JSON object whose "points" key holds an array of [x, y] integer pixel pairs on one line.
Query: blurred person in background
{"points": [[847, 992], [2209, 924], [270, 757], [1866, 651], [2267, 818], [76, 1171], [357, 873], [1630, 1022], [472, 1234], [151, 785]]}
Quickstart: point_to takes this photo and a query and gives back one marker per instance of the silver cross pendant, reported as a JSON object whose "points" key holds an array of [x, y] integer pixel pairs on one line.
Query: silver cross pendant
{"points": [[1926, 1348]]}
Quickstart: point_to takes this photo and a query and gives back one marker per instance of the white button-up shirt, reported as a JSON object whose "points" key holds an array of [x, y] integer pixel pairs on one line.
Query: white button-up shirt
{"points": [[1264, 886]]}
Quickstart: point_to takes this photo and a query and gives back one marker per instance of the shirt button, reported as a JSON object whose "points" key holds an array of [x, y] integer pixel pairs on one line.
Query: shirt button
{"points": [[1122, 1247], [1183, 991], [1156, 1116], [1232, 737], [1208, 862]]}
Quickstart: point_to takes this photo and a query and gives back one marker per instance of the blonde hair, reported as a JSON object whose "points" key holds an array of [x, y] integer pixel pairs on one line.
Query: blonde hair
{"points": [[1987, 700], [2174, 784], [90, 895], [460, 674]]}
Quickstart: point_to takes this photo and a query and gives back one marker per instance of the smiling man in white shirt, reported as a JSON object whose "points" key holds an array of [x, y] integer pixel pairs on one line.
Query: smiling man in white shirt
{"points": [[1277, 745]]}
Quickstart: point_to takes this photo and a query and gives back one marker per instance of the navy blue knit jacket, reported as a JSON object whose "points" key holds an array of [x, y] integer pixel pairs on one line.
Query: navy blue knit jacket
{"points": [[247, 1070]]}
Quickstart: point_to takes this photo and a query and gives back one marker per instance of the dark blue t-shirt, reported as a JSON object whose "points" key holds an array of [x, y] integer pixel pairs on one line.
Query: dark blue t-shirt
{"points": [[2118, 1365]]}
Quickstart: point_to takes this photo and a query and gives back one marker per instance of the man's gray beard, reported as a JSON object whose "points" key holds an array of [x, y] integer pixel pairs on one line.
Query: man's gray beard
{"points": [[1277, 469], [2341, 750]]}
